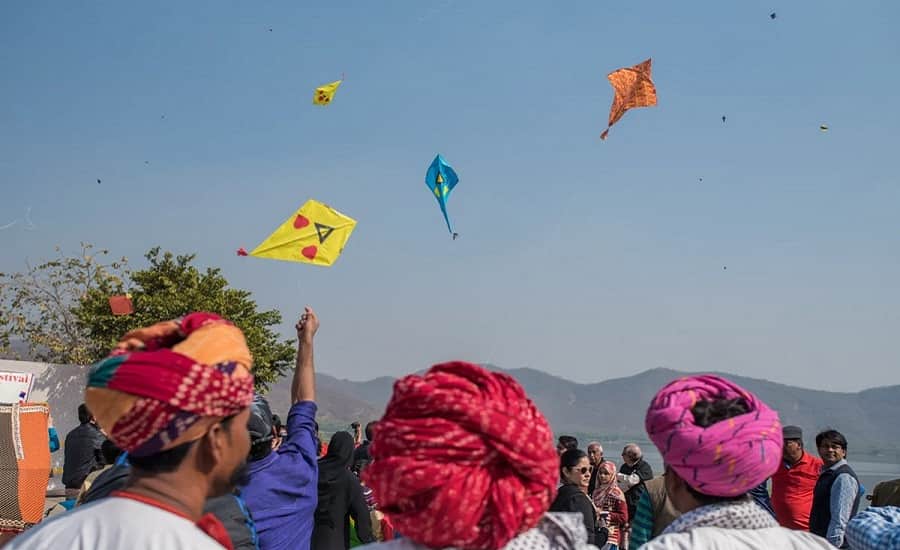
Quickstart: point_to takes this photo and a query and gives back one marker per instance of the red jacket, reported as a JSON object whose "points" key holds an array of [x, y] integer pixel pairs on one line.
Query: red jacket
{"points": [[792, 491]]}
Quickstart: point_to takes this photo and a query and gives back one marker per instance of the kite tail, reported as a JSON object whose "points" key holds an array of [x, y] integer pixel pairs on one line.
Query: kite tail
{"points": [[604, 134], [447, 219]]}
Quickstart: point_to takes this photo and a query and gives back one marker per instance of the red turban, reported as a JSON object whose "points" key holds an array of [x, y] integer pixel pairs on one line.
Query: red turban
{"points": [[462, 458]]}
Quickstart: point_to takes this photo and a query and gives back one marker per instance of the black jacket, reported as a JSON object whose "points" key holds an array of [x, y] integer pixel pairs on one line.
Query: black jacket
{"points": [[633, 495], [113, 479], [361, 457], [82, 451], [571, 499], [340, 498], [234, 515]]}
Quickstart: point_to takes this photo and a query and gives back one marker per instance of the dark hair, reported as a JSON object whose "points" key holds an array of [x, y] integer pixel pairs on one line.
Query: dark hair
{"points": [[706, 413], [568, 442], [84, 415], [277, 423], [570, 458], [170, 459], [370, 430], [162, 462], [109, 451], [833, 436]]}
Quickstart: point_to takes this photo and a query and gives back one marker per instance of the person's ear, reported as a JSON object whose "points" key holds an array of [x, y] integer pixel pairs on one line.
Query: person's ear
{"points": [[212, 447]]}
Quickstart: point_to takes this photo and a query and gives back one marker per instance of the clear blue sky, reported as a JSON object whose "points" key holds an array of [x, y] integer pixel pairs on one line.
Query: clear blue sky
{"points": [[583, 258]]}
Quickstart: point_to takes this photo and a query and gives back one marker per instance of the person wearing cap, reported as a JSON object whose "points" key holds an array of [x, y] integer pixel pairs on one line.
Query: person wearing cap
{"points": [[280, 487], [794, 481], [175, 396], [886, 493], [718, 441]]}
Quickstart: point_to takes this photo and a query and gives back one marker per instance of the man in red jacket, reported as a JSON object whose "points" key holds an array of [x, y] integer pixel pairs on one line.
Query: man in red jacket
{"points": [[793, 483]]}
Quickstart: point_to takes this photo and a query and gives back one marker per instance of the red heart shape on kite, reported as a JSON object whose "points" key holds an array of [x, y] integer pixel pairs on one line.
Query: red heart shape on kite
{"points": [[300, 222], [310, 252]]}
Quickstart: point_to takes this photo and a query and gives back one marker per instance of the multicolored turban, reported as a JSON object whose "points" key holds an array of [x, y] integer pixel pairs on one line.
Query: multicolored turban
{"points": [[725, 459], [462, 458], [166, 384]]}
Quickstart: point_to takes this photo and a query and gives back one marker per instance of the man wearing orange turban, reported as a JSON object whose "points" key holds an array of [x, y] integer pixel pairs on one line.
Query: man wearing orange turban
{"points": [[176, 396]]}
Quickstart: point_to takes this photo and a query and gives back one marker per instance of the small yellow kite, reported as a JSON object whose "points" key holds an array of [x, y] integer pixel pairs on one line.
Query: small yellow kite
{"points": [[633, 88], [314, 234], [324, 94]]}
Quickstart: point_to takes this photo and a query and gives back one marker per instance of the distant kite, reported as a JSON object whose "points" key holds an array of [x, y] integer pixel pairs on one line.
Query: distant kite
{"points": [[723, 119], [324, 94], [121, 305], [314, 234], [441, 178], [772, 15], [633, 88], [824, 128]]}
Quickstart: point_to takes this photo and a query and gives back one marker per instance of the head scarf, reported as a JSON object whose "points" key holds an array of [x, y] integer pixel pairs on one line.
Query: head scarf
{"points": [[166, 384], [608, 489], [462, 458], [725, 459], [338, 458]]}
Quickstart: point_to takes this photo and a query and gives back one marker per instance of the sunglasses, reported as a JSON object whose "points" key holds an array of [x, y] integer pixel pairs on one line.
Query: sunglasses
{"points": [[583, 469]]}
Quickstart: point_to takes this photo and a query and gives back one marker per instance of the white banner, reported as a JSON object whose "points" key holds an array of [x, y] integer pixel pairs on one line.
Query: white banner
{"points": [[15, 387]]}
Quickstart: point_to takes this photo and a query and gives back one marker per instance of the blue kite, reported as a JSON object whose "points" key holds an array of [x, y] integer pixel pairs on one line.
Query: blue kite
{"points": [[441, 179]]}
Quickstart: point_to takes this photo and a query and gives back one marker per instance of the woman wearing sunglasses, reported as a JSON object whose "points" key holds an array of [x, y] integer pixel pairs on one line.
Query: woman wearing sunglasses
{"points": [[575, 473]]}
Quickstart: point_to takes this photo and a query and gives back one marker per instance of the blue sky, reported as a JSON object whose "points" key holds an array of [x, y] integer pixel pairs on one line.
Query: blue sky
{"points": [[583, 258]]}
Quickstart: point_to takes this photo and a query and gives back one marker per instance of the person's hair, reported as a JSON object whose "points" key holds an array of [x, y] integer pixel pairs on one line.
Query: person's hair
{"points": [[568, 442], [162, 462], [632, 451], [569, 459], [706, 413], [84, 414], [370, 430], [109, 451], [260, 449], [170, 459], [595, 444], [832, 436], [277, 423]]}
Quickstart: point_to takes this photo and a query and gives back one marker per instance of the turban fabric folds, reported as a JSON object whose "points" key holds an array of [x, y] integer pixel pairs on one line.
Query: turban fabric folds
{"points": [[462, 458], [164, 385], [727, 458]]}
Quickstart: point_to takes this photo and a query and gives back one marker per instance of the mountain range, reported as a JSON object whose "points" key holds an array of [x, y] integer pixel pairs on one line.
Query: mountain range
{"points": [[614, 409]]}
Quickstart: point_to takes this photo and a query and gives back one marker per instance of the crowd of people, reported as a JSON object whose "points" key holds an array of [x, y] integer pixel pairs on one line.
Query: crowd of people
{"points": [[176, 451]]}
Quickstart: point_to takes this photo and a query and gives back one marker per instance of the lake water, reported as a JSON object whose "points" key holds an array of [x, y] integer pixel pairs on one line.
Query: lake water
{"points": [[870, 473]]}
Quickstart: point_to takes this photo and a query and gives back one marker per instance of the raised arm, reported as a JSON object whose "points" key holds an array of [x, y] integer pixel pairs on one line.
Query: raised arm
{"points": [[303, 386]]}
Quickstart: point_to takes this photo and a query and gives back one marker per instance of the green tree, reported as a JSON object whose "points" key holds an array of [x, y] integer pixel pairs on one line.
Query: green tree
{"points": [[37, 306], [171, 287], [60, 309]]}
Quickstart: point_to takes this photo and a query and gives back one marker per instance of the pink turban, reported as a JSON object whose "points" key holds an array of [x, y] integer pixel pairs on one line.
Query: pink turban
{"points": [[462, 458], [725, 459]]}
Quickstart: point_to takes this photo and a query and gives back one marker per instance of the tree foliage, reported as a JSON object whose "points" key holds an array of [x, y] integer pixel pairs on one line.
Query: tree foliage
{"points": [[38, 306], [61, 308]]}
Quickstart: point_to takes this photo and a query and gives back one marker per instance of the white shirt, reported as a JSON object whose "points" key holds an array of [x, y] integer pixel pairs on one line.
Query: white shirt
{"points": [[718, 538], [115, 523]]}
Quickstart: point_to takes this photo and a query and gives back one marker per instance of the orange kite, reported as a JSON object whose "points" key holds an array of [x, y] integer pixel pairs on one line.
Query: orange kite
{"points": [[633, 89]]}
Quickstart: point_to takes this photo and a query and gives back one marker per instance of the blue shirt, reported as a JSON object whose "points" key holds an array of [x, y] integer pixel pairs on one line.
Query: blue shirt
{"points": [[877, 528], [843, 494], [282, 488]]}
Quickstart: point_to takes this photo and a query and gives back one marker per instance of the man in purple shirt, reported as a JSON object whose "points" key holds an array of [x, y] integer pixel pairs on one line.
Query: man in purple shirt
{"points": [[281, 490]]}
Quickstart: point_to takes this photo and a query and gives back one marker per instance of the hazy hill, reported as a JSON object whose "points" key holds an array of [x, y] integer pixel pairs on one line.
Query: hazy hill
{"points": [[614, 409]]}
